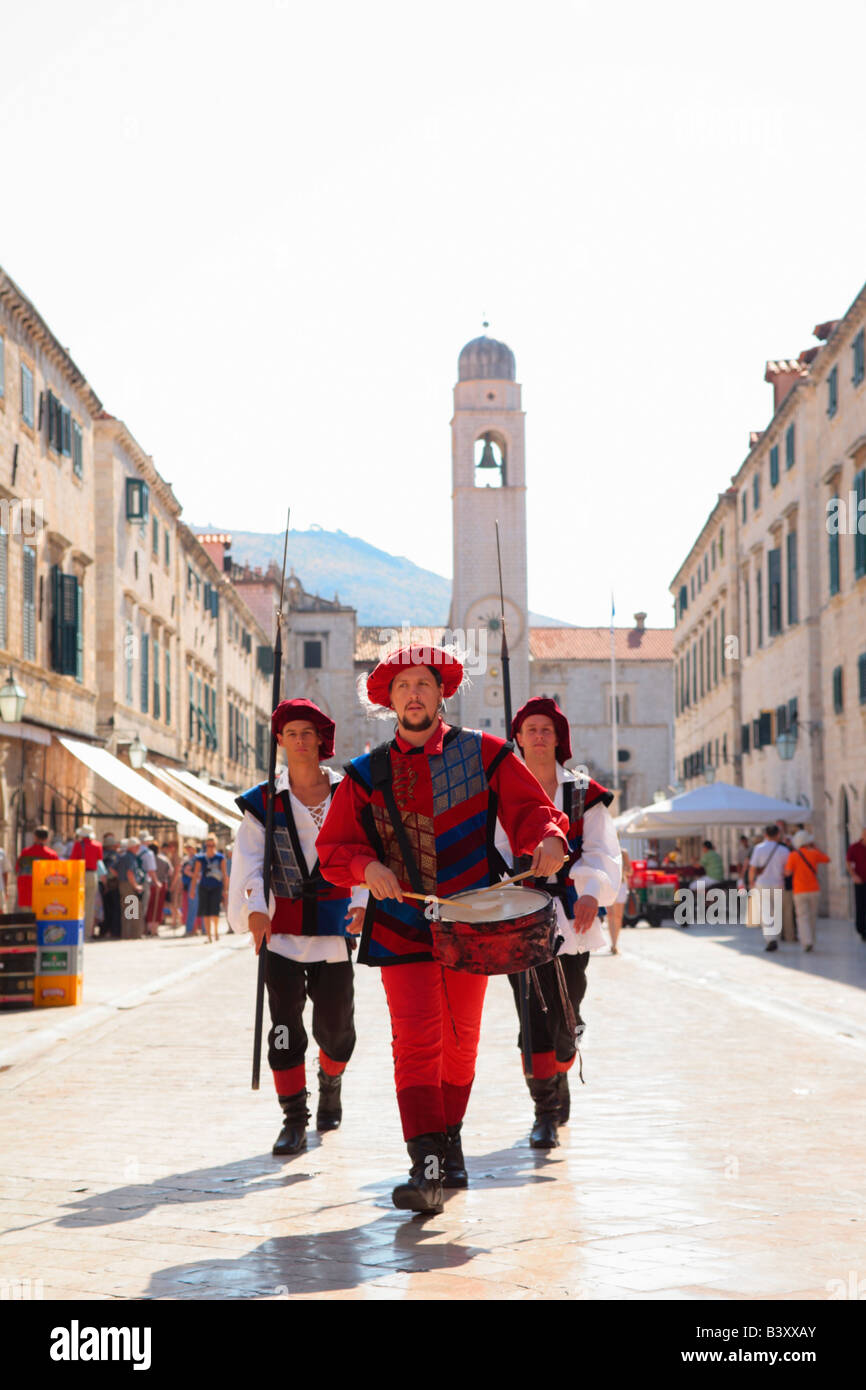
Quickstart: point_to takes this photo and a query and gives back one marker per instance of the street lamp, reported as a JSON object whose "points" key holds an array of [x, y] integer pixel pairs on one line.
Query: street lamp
{"points": [[785, 745], [709, 773], [12, 699], [137, 753]]}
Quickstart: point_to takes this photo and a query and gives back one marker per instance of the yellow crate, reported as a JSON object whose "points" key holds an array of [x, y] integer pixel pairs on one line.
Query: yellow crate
{"points": [[55, 991], [58, 889]]}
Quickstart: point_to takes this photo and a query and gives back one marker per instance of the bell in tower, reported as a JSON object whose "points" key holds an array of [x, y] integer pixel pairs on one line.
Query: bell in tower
{"points": [[490, 467]]}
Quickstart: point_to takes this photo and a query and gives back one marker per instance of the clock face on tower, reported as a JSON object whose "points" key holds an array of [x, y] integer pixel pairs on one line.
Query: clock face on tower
{"points": [[485, 615]]}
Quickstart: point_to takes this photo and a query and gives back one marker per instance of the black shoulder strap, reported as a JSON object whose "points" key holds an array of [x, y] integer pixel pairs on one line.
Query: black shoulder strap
{"points": [[497, 759], [380, 770], [567, 799]]}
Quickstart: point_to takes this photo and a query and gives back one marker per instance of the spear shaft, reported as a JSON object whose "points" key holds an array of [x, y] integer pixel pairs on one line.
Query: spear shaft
{"points": [[523, 981], [269, 825]]}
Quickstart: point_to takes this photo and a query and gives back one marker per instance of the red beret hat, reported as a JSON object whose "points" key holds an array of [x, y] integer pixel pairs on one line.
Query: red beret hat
{"points": [[439, 661], [287, 710], [540, 704]]}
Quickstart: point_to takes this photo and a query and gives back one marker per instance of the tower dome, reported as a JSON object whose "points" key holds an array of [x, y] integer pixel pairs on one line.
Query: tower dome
{"points": [[484, 359]]}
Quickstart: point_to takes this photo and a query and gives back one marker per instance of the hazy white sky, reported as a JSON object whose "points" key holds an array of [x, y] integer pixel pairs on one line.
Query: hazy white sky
{"points": [[266, 230]]}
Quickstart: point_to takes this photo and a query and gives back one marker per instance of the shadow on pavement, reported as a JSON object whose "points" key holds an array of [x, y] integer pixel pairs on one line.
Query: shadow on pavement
{"points": [[230, 1182], [319, 1261]]}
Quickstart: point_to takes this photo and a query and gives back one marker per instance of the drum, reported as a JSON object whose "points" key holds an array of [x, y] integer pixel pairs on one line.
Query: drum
{"points": [[495, 933]]}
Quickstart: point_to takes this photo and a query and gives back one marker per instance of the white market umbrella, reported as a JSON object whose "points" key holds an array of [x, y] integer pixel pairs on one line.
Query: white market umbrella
{"points": [[716, 803]]}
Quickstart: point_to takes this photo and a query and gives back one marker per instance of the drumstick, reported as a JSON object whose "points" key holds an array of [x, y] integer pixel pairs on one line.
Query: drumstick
{"points": [[427, 897], [501, 884]]}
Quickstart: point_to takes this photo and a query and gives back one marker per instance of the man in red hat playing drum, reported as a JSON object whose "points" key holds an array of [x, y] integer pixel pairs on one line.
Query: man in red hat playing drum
{"points": [[418, 814], [306, 923], [589, 879]]}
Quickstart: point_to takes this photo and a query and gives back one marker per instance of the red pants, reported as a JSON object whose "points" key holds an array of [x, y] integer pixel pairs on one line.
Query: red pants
{"points": [[435, 1022]]}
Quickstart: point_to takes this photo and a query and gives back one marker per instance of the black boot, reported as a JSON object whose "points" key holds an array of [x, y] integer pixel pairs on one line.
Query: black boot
{"points": [[330, 1111], [564, 1097], [423, 1191], [293, 1135], [455, 1164], [545, 1093]]}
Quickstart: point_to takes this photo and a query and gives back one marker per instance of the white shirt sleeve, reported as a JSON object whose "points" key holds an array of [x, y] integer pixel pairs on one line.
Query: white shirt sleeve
{"points": [[598, 871], [246, 884]]}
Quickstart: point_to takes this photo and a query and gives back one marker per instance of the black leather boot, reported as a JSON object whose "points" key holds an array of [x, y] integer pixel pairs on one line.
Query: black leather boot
{"points": [[545, 1093], [330, 1111], [423, 1191], [564, 1097], [293, 1135], [455, 1164]]}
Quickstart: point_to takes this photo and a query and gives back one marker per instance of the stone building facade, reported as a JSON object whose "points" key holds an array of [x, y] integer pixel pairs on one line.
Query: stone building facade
{"points": [[47, 574], [794, 690]]}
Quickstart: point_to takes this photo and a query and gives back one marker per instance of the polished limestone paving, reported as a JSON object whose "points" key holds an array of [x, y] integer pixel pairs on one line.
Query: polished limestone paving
{"points": [[715, 1152]]}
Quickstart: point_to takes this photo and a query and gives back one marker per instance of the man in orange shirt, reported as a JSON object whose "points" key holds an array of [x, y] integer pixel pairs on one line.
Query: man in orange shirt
{"points": [[24, 864], [802, 864]]}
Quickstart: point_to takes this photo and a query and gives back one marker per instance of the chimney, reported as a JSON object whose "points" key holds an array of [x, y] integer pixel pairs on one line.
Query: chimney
{"points": [[639, 621], [783, 376], [217, 545]]}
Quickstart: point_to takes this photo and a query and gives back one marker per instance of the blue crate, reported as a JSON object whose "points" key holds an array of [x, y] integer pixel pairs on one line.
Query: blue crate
{"points": [[60, 933]]}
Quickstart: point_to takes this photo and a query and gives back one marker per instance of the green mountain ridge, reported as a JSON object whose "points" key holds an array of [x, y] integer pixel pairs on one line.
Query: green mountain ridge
{"points": [[386, 590]]}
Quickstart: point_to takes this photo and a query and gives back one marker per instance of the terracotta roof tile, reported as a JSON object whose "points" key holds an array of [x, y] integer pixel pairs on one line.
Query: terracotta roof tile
{"points": [[593, 643]]}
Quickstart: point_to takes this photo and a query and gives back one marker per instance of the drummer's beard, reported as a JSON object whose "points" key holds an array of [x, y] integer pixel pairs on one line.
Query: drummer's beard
{"points": [[419, 723]]}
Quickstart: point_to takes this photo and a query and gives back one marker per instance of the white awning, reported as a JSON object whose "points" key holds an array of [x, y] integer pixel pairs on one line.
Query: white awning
{"points": [[137, 788], [213, 812], [716, 803], [223, 798]]}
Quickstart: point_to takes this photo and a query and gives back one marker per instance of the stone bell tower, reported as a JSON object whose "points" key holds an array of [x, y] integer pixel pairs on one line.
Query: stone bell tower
{"points": [[489, 485]]}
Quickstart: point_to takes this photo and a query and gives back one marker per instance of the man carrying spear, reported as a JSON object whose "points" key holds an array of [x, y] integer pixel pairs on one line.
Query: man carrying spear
{"points": [[589, 878], [417, 815], [304, 921]]}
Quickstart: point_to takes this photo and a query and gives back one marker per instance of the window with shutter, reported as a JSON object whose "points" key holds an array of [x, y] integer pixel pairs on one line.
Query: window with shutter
{"points": [[77, 450], [858, 521], [4, 580], [774, 592], [198, 710], [145, 672], [155, 538], [791, 544], [137, 500], [833, 556], [833, 391], [79, 631], [759, 611], [191, 709], [744, 500], [29, 604], [129, 654], [66, 432], [789, 447], [722, 643], [167, 686], [837, 690], [861, 677], [774, 466], [858, 349], [781, 720], [156, 700], [744, 738], [756, 492], [27, 396], [167, 541]]}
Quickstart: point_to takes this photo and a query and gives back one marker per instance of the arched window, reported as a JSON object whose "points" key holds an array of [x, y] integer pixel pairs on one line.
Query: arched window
{"points": [[489, 461]]}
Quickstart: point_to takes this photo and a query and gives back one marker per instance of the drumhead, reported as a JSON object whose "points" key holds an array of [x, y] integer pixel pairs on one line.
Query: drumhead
{"points": [[500, 905]]}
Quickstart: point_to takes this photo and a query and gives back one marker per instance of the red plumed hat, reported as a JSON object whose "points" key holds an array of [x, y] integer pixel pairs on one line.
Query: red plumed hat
{"points": [[440, 661], [287, 710], [540, 704]]}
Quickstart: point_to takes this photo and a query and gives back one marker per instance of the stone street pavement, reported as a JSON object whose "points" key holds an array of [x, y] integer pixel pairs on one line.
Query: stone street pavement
{"points": [[714, 1153]]}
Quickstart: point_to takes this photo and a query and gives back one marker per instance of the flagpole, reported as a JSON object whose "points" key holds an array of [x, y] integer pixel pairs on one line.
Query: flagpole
{"points": [[614, 727]]}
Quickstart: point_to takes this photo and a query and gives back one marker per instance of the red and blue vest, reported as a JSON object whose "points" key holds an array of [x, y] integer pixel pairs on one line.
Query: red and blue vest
{"points": [[306, 904], [576, 800], [443, 809]]}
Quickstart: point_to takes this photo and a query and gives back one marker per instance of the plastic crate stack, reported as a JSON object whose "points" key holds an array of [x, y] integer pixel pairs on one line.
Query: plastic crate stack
{"points": [[18, 951], [58, 905]]}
